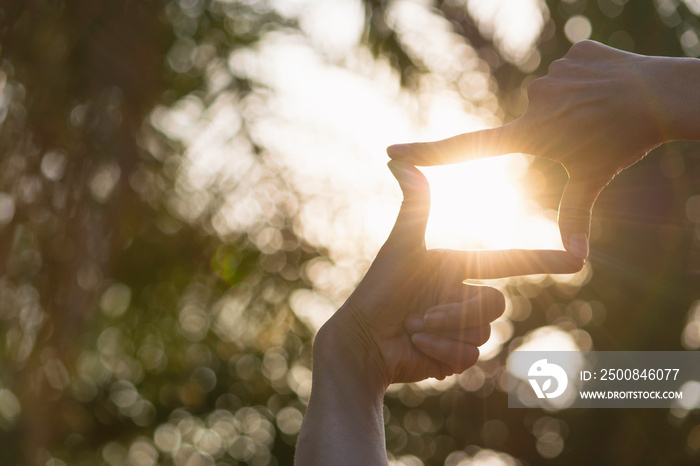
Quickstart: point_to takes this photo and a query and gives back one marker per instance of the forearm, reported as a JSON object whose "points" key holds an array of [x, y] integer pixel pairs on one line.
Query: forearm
{"points": [[675, 83], [344, 419]]}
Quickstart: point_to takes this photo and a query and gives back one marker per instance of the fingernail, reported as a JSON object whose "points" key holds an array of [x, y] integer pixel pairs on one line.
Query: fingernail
{"points": [[423, 339], [435, 320], [578, 245], [406, 176], [414, 324], [398, 150]]}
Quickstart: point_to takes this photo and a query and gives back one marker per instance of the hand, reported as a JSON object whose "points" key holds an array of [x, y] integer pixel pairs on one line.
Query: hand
{"points": [[598, 111], [411, 317]]}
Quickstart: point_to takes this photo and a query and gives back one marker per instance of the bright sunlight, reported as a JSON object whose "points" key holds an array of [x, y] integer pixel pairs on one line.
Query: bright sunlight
{"points": [[482, 204]]}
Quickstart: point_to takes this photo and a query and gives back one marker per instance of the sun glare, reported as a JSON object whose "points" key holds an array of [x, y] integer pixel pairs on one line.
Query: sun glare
{"points": [[483, 205]]}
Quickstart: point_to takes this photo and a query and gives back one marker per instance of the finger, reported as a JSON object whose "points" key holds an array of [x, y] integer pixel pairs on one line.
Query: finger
{"points": [[459, 292], [474, 336], [409, 229], [485, 264], [445, 371], [463, 304], [459, 356], [440, 370], [414, 324], [575, 211], [476, 312], [461, 148]]}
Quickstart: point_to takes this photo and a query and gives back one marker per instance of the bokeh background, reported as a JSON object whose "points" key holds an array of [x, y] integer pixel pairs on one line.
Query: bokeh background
{"points": [[188, 189]]}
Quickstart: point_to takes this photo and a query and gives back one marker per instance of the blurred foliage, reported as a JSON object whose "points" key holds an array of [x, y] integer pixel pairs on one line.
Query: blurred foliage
{"points": [[138, 332], [128, 327]]}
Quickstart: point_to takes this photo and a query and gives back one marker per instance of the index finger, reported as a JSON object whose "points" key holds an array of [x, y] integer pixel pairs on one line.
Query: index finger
{"points": [[460, 148], [485, 264]]}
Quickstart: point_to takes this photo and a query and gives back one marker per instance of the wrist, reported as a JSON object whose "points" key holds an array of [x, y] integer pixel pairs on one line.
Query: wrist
{"points": [[347, 395], [344, 352], [344, 420]]}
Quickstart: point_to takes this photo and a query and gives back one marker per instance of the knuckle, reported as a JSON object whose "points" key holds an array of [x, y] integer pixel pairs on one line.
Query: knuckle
{"points": [[583, 46], [489, 306], [484, 335], [577, 266], [466, 360], [495, 302], [538, 87], [557, 66], [500, 304]]}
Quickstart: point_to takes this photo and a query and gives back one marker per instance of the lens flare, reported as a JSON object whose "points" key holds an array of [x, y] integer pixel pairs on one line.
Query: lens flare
{"points": [[483, 205]]}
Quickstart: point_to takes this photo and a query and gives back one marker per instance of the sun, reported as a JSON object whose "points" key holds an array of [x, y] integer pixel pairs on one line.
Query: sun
{"points": [[482, 204]]}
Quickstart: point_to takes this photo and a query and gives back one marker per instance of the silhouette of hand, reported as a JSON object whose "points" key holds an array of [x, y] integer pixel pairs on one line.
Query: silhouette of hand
{"points": [[412, 317], [598, 111]]}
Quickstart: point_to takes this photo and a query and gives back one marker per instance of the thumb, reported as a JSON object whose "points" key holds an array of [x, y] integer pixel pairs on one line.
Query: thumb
{"points": [[461, 148], [575, 211], [409, 229]]}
